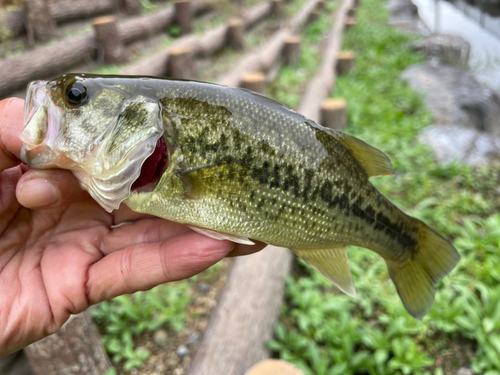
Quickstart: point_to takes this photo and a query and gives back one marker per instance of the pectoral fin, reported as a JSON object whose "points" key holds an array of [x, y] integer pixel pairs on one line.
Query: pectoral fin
{"points": [[333, 264], [222, 236]]}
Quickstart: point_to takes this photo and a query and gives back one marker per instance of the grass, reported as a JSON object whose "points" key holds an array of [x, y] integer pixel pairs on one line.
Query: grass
{"points": [[128, 321], [126, 317], [325, 333]]}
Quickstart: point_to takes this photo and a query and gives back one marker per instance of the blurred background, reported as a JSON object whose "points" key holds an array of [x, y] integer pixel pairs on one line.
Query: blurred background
{"points": [[418, 80]]}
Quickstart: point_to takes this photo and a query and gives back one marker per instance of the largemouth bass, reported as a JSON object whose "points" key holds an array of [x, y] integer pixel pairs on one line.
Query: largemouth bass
{"points": [[232, 164]]}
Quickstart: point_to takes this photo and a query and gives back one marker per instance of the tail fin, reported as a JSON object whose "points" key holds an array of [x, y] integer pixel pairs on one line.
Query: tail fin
{"points": [[415, 280]]}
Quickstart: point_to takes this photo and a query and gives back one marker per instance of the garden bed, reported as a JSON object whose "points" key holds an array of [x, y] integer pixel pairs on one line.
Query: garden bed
{"points": [[324, 332]]}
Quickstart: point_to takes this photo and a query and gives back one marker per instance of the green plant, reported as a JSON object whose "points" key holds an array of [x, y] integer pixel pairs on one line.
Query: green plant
{"points": [[329, 333], [125, 317], [174, 30], [147, 6]]}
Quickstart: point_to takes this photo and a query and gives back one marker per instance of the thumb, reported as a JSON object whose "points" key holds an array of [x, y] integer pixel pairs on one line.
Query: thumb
{"points": [[11, 124], [50, 188]]}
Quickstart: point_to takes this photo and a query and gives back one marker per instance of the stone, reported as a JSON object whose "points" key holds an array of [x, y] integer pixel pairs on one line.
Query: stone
{"points": [[160, 367], [172, 361], [160, 338], [404, 15], [469, 146], [274, 367], [464, 371], [182, 351], [444, 49], [204, 287], [456, 97], [402, 7], [193, 338]]}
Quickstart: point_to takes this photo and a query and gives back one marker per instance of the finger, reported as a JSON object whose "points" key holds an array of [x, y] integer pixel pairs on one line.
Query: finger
{"points": [[11, 124], [51, 188], [8, 203], [146, 230], [143, 266], [241, 249], [125, 214]]}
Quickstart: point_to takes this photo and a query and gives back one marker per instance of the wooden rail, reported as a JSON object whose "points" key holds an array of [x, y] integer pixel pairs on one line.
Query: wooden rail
{"points": [[60, 12], [204, 46], [244, 319], [269, 55], [50, 60], [322, 84], [245, 316]]}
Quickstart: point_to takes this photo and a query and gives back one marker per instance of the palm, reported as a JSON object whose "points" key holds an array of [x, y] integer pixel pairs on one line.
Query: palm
{"points": [[46, 266], [62, 259], [56, 262]]}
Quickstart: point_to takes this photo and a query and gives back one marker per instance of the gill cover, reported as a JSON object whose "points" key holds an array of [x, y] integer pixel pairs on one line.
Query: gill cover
{"points": [[115, 162], [106, 163]]}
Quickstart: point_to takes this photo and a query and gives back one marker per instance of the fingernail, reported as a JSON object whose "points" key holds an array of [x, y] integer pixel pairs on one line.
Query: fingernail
{"points": [[36, 193]]}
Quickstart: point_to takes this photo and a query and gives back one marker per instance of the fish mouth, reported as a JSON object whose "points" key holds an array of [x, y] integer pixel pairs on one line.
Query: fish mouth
{"points": [[41, 126], [152, 169]]}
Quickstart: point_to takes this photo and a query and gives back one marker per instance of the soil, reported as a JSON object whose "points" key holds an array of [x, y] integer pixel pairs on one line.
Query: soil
{"points": [[451, 353], [164, 360]]}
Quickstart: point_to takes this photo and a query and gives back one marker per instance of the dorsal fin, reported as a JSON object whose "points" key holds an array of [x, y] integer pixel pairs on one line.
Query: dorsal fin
{"points": [[374, 161]]}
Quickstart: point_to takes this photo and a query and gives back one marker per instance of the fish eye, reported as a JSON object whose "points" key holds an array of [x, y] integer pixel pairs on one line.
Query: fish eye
{"points": [[76, 94]]}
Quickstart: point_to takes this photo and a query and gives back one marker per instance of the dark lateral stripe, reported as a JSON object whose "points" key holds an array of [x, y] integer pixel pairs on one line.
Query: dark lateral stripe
{"points": [[377, 221]]}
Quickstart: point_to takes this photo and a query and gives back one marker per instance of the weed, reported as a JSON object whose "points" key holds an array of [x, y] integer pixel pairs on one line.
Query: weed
{"points": [[125, 317], [323, 332]]}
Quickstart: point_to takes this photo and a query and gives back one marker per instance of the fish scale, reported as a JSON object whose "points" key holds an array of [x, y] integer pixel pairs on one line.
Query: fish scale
{"points": [[240, 166], [195, 137]]}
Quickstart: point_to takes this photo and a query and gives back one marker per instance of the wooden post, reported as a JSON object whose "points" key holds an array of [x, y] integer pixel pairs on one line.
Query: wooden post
{"points": [[278, 8], [350, 23], [334, 114], [320, 5], [111, 49], [352, 12], [291, 51], [254, 81], [130, 7], [313, 16], [180, 63], [75, 350], [183, 16], [39, 23], [274, 367], [260, 279], [235, 34], [345, 62]]}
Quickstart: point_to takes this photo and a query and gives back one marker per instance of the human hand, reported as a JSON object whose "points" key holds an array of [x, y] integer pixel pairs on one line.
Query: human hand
{"points": [[59, 251]]}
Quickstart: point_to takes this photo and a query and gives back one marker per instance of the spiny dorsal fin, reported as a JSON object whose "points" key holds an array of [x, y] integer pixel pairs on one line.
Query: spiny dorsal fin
{"points": [[331, 263], [374, 161]]}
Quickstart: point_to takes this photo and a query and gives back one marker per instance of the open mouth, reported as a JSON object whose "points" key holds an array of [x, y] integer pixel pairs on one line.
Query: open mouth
{"points": [[153, 167]]}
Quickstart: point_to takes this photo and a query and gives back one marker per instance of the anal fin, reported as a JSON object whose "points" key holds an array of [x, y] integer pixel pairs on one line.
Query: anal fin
{"points": [[331, 263], [222, 236]]}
